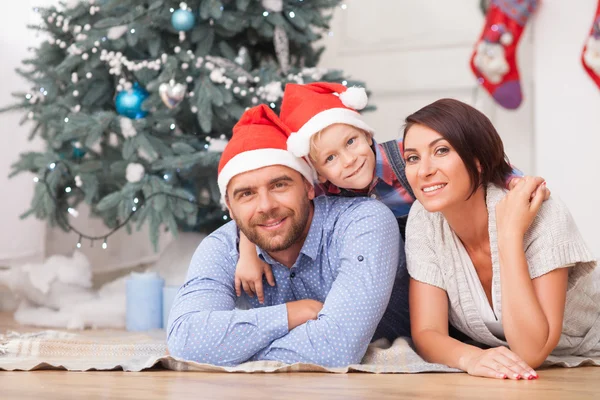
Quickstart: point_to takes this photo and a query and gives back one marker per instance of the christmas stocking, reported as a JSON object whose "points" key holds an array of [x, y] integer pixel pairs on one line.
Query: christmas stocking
{"points": [[494, 59], [591, 51]]}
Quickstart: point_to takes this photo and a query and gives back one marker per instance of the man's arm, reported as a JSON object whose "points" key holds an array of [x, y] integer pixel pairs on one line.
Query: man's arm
{"points": [[204, 325], [367, 244]]}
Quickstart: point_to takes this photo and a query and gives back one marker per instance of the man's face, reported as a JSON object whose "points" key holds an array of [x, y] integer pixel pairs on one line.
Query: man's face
{"points": [[271, 206]]}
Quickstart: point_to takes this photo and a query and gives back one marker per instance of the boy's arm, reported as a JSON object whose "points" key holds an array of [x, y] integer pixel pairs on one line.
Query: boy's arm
{"points": [[249, 271]]}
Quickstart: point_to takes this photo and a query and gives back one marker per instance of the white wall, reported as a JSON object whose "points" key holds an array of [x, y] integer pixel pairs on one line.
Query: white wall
{"points": [[416, 51], [567, 112], [19, 240]]}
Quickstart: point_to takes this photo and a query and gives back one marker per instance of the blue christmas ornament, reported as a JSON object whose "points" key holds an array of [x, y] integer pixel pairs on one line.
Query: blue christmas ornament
{"points": [[183, 20], [129, 102], [78, 152]]}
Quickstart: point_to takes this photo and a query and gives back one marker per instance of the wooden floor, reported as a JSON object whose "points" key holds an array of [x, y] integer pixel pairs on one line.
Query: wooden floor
{"points": [[555, 383]]}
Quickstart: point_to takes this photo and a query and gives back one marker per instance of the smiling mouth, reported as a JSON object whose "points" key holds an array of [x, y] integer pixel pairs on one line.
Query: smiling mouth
{"points": [[357, 170], [435, 188], [273, 225]]}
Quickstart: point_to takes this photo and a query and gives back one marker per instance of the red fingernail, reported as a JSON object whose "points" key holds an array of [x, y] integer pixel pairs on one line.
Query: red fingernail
{"points": [[504, 377], [531, 377], [544, 183]]}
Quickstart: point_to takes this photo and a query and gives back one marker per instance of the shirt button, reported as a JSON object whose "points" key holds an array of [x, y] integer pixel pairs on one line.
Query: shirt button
{"points": [[373, 196], [360, 258], [292, 275]]}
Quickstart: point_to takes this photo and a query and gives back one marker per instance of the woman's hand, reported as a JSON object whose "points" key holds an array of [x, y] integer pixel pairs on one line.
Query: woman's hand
{"points": [[516, 211], [499, 363], [248, 275]]}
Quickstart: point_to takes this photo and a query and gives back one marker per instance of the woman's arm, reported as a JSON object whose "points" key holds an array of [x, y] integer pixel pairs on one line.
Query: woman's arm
{"points": [[429, 329], [532, 310]]}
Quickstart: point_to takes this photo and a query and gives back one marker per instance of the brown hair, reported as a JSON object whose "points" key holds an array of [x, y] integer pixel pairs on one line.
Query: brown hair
{"points": [[471, 134]]}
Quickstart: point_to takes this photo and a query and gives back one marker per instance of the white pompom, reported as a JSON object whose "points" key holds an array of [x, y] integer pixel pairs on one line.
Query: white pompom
{"points": [[355, 98], [135, 172], [506, 39], [299, 144]]}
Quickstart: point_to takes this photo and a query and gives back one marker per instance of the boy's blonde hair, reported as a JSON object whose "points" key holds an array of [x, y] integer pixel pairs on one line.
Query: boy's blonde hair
{"points": [[314, 148]]}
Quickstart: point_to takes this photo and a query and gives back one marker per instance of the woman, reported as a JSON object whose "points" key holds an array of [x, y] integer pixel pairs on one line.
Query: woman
{"points": [[505, 268]]}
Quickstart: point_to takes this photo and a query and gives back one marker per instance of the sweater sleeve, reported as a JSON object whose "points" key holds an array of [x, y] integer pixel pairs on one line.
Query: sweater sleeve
{"points": [[421, 259], [553, 241]]}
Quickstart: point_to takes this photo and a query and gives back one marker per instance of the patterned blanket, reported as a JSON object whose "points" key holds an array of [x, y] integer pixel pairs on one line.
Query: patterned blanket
{"points": [[137, 352]]}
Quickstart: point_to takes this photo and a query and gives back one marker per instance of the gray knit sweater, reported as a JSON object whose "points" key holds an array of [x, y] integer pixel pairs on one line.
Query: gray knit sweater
{"points": [[436, 256]]}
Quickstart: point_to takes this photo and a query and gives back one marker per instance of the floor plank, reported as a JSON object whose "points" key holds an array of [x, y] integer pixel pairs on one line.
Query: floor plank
{"points": [[554, 383], [581, 383]]}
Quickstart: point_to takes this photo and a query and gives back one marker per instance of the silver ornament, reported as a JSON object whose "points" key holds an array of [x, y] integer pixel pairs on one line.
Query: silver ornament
{"points": [[282, 48], [172, 93]]}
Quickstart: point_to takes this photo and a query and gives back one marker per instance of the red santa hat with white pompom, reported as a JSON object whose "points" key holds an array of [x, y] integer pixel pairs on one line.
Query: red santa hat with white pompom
{"points": [[258, 141], [308, 109]]}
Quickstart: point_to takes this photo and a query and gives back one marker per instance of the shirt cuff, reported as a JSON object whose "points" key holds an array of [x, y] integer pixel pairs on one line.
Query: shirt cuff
{"points": [[273, 321]]}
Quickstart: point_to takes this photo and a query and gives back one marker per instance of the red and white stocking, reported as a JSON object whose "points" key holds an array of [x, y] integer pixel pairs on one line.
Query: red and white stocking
{"points": [[591, 52], [494, 58]]}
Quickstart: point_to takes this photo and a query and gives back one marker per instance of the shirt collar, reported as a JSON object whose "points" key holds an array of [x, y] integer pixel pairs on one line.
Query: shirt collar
{"points": [[312, 243]]}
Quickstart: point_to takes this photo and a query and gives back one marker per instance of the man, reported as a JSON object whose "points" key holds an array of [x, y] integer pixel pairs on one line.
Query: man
{"points": [[335, 262]]}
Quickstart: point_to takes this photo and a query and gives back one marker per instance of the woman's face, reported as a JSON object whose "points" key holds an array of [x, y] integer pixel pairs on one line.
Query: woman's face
{"points": [[435, 171]]}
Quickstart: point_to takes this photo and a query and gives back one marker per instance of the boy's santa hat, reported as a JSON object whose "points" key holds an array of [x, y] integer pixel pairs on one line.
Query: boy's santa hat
{"points": [[258, 141], [308, 109]]}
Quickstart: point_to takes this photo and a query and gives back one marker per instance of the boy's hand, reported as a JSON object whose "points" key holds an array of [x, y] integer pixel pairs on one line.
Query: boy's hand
{"points": [[249, 277]]}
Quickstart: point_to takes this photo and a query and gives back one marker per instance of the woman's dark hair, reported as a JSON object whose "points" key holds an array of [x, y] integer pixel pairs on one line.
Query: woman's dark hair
{"points": [[471, 134]]}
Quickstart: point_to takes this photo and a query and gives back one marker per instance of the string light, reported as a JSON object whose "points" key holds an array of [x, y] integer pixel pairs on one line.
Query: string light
{"points": [[136, 200]]}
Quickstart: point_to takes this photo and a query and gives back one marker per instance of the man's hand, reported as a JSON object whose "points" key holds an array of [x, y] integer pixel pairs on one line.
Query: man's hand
{"points": [[301, 311]]}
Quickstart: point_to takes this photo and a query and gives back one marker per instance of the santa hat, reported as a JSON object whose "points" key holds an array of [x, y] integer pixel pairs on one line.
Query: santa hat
{"points": [[308, 109], [259, 140]]}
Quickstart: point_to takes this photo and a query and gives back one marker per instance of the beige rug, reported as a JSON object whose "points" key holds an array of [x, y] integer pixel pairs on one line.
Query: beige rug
{"points": [[137, 352]]}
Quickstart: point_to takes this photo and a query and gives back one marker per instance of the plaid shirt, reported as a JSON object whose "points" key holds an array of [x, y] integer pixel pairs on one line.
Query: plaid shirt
{"points": [[385, 186]]}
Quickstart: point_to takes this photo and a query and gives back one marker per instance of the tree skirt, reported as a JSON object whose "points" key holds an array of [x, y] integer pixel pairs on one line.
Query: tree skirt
{"points": [[137, 352]]}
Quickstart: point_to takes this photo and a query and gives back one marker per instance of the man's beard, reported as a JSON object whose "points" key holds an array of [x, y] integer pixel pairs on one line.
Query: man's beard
{"points": [[282, 241]]}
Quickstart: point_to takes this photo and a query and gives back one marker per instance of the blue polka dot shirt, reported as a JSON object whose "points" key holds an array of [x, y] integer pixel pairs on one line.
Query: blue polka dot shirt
{"points": [[352, 260]]}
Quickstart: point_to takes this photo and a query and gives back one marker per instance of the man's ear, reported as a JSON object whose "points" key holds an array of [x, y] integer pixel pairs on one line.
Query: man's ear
{"points": [[228, 206], [310, 190]]}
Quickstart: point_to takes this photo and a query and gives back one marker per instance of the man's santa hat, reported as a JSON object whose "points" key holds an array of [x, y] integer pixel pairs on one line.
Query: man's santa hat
{"points": [[308, 109], [258, 141]]}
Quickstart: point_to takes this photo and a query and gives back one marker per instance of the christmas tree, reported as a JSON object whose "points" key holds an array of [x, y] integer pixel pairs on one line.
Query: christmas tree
{"points": [[135, 100]]}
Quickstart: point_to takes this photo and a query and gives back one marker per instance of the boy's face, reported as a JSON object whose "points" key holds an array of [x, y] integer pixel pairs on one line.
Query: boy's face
{"points": [[343, 156]]}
